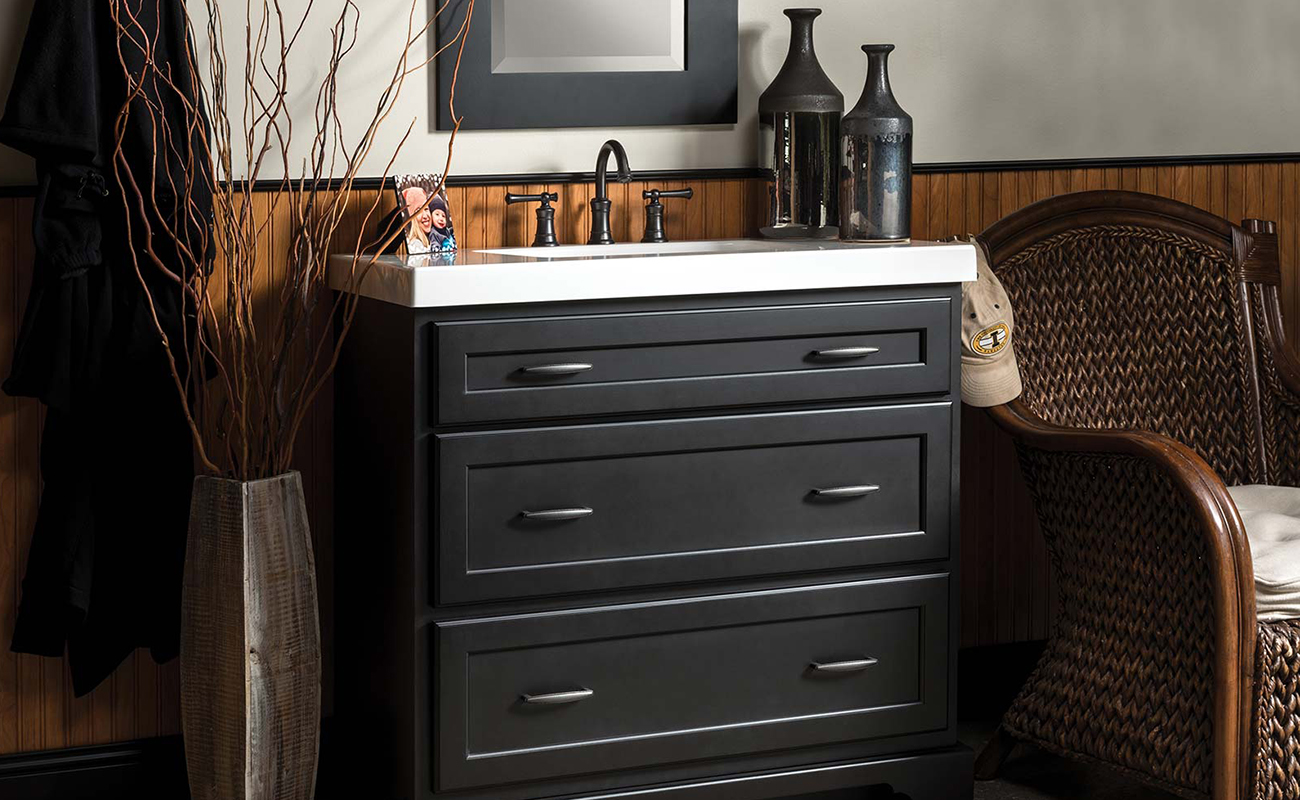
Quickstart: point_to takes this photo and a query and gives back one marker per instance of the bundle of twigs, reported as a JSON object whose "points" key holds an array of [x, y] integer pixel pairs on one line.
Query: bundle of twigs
{"points": [[248, 375]]}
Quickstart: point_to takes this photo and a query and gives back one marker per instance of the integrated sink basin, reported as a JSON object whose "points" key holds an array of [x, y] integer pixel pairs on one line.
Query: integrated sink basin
{"points": [[708, 247], [602, 272]]}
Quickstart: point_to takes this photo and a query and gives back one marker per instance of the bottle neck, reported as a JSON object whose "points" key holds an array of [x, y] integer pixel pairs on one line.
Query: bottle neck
{"points": [[801, 84], [801, 39], [878, 74]]}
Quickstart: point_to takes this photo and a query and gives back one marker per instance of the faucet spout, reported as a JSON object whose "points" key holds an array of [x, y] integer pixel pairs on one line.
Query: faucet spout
{"points": [[602, 166], [600, 204]]}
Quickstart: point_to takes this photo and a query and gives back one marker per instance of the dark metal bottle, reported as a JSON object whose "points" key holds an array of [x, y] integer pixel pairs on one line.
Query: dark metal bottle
{"points": [[876, 190], [799, 135]]}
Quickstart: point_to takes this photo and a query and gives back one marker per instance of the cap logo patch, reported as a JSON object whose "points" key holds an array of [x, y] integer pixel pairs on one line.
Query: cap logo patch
{"points": [[991, 340]]}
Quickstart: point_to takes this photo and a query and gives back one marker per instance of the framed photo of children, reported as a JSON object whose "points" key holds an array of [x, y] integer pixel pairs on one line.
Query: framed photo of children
{"points": [[426, 214]]}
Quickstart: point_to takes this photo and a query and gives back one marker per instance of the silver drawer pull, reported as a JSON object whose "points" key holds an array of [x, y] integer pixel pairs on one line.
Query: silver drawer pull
{"points": [[557, 698], [557, 369], [558, 514], [855, 665], [846, 491], [846, 352]]}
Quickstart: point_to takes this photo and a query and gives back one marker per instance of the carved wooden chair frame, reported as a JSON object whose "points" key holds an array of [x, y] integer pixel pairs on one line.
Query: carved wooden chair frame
{"points": [[1170, 679]]}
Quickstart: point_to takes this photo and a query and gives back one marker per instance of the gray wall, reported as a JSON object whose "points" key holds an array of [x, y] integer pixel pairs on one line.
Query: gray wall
{"points": [[985, 80]]}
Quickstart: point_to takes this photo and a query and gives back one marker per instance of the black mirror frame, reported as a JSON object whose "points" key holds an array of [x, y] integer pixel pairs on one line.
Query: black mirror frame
{"points": [[702, 94]]}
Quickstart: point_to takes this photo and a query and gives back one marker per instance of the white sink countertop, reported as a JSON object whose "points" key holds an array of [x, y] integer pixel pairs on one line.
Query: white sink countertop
{"points": [[600, 272]]}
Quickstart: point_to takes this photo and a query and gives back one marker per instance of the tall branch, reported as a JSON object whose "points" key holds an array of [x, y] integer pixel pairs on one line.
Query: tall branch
{"points": [[252, 350]]}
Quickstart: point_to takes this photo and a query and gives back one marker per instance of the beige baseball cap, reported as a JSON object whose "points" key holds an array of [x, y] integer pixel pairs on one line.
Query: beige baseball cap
{"points": [[989, 373]]}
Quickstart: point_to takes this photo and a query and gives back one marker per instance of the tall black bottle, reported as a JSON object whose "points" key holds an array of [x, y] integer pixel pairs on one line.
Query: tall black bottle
{"points": [[876, 200], [799, 134]]}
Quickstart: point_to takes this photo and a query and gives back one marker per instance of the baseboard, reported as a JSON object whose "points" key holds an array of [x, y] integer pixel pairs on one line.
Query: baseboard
{"points": [[146, 769], [152, 769]]}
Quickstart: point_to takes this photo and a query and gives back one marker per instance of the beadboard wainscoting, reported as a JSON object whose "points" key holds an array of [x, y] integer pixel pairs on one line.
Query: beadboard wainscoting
{"points": [[1007, 592]]}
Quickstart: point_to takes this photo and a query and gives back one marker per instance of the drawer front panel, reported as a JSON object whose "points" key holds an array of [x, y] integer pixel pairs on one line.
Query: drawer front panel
{"points": [[558, 510], [540, 696], [556, 367]]}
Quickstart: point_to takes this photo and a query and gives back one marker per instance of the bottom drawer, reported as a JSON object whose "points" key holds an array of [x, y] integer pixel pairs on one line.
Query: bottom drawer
{"points": [[544, 695]]}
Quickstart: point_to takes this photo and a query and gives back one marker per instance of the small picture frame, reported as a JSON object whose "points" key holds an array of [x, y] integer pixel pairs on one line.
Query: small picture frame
{"points": [[427, 216]]}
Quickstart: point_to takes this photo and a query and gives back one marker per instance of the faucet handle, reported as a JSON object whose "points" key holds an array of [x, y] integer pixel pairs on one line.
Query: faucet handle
{"points": [[545, 215], [654, 212], [545, 198], [653, 195]]}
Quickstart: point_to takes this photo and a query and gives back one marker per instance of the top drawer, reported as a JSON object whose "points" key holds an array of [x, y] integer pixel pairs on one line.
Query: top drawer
{"points": [[615, 363]]}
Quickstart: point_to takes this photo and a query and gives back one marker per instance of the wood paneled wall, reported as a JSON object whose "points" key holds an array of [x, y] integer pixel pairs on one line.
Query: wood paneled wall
{"points": [[1007, 595]]}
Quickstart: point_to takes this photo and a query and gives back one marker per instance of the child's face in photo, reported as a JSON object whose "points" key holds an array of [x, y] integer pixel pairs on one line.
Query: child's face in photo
{"points": [[439, 219]]}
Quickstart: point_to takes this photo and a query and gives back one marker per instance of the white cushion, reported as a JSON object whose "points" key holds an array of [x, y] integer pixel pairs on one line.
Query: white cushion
{"points": [[1272, 518]]}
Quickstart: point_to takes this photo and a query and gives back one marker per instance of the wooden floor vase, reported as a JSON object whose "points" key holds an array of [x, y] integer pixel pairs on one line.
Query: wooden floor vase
{"points": [[250, 642]]}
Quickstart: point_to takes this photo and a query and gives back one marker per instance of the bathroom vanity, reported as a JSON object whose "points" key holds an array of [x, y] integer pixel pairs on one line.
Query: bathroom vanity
{"points": [[651, 521]]}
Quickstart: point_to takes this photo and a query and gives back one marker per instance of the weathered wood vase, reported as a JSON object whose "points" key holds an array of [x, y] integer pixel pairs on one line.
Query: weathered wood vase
{"points": [[250, 642]]}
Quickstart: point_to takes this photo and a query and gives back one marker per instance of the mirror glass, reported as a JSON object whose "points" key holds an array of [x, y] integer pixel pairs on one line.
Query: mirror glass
{"points": [[588, 36]]}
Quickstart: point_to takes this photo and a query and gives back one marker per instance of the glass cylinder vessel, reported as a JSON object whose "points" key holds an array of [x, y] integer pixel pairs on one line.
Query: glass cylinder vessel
{"points": [[876, 189], [799, 136]]}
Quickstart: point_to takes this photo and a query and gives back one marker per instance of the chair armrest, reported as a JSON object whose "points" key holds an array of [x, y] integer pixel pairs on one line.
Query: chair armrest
{"points": [[1198, 484], [1140, 530]]}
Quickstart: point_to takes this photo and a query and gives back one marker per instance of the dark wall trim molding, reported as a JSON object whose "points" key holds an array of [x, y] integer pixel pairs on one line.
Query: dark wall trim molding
{"points": [[153, 768], [744, 173], [1107, 163], [549, 178], [146, 769], [515, 179], [738, 173]]}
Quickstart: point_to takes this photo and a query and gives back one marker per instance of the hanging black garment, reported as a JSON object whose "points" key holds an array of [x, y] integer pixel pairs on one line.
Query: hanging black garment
{"points": [[104, 571]]}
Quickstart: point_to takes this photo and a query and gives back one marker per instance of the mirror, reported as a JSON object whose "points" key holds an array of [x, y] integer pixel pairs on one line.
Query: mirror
{"points": [[585, 63], [588, 36]]}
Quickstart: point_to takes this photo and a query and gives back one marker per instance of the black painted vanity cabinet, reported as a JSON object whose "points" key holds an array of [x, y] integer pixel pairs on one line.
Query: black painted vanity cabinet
{"points": [[689, 548]]}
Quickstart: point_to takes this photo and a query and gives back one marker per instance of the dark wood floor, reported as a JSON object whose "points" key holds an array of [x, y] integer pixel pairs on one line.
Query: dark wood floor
{"points": [[1032, 774]]}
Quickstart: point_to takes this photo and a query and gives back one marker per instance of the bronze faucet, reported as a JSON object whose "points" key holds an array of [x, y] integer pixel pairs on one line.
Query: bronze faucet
{"points": [[600, 204]]}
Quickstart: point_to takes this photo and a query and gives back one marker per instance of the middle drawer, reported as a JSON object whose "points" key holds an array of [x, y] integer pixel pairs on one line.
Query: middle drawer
{"points": [[527, 513]]}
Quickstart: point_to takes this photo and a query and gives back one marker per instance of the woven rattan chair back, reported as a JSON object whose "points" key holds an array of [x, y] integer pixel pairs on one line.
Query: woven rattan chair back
{"points": [[1131, 318], [1140, 314]]}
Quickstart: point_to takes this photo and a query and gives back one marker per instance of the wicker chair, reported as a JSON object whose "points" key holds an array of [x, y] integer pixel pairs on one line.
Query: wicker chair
{"points": [[1155, 367]]}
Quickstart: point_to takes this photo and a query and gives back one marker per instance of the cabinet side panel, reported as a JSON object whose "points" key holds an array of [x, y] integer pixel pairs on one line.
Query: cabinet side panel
{"points": [[375, 420]]}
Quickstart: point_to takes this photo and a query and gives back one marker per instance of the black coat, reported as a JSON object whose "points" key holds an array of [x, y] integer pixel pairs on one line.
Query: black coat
{"points": [[104, 571]]}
